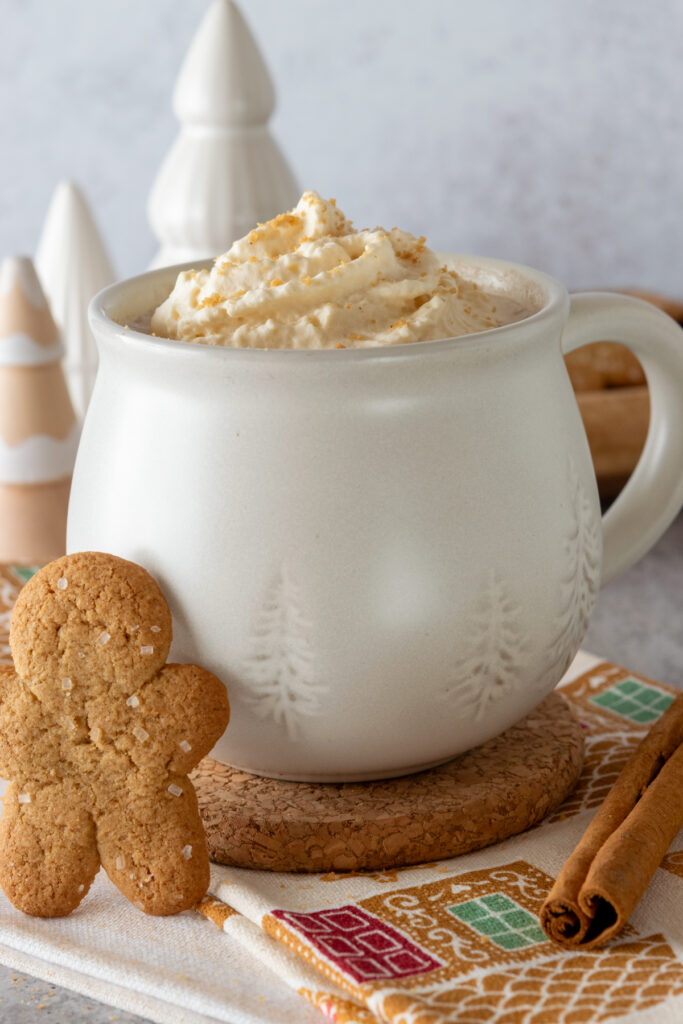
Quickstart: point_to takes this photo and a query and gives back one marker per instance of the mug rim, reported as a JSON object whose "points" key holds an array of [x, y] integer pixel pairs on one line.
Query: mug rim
{"points": [[103, 323]]}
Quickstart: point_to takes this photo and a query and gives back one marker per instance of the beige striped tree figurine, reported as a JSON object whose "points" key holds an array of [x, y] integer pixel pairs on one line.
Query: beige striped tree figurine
{"points": [[38, 427]]}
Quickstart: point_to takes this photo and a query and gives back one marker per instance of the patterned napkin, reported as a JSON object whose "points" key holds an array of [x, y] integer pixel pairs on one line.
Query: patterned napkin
{"points": [[456, 940], [460, 940]]}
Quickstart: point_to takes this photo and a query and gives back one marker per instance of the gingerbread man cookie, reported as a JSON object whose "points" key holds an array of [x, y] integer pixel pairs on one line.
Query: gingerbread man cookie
{"points": [[98, 735]]}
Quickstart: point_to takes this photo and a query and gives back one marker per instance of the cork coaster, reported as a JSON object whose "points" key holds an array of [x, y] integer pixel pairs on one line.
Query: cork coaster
{"points": [[481, 797]]}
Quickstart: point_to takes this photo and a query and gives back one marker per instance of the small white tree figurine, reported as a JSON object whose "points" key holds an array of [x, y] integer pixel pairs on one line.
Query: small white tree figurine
{"points": [[73, 265], [224, 172]]}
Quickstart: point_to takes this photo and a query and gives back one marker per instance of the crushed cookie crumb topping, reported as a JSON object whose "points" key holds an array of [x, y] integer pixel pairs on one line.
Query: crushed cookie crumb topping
{"points": [[211, 300]]}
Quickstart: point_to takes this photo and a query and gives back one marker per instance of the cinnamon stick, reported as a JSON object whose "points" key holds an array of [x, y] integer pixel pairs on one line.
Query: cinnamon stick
{"points": [[624, 844]]}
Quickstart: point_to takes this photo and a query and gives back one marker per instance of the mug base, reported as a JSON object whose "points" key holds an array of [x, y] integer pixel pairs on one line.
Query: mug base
{"points": [[335, 778]]}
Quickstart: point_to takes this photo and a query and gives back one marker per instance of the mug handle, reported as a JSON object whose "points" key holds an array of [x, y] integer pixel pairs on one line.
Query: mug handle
{"points": [[653, 495]]}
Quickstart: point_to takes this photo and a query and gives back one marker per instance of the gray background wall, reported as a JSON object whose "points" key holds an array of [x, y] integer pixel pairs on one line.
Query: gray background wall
{"points": [[548, 131]]}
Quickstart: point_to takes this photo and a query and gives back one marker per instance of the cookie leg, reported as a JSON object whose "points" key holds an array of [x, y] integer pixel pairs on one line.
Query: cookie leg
{"points": [[48, 852], [153, 848]]}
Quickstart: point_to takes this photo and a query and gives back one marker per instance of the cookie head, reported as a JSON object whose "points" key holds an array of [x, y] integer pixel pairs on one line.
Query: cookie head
{"points": [[89, 616]]}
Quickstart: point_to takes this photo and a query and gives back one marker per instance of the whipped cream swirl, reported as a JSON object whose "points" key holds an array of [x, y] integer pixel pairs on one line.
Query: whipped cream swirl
{"points": [[308, 280]]}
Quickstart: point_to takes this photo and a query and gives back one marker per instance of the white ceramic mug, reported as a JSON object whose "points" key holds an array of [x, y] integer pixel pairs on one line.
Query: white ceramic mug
{"points": [[389, 555]]}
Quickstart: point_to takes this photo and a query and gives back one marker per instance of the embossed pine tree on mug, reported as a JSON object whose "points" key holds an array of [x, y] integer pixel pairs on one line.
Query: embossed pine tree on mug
{"points": [[490, 663], [281, 667], [579, 585]]}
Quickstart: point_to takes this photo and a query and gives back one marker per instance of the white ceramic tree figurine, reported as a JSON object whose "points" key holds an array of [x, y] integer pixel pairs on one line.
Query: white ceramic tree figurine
{"points": [[73, 266], [224, 172]]}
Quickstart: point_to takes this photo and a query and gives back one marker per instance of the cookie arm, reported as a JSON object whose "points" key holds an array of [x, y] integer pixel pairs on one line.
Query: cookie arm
{"points": [[10, 734], [185, 709], [7, 674]]}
